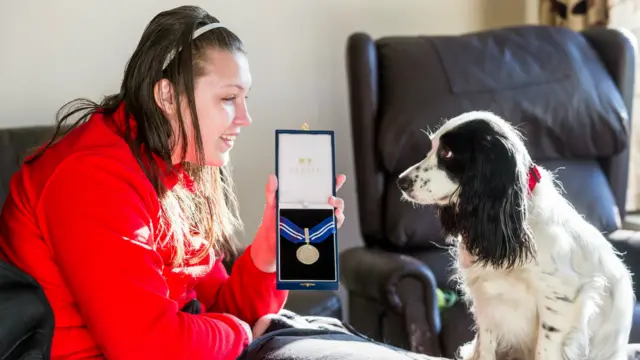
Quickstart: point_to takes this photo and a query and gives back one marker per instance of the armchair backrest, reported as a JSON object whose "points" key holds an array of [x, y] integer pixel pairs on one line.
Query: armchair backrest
{"points": [[569, 93], [15, 145]]}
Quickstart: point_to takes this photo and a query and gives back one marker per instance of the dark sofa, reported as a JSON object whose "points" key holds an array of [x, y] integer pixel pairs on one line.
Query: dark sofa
{"points": [[16, 142], [571, 95]]}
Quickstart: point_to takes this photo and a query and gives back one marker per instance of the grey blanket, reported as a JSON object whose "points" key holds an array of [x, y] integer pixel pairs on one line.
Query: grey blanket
{"points": [[296, 337]]}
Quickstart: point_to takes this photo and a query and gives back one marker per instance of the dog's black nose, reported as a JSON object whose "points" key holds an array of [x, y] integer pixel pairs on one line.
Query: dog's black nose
{"points": [[404, 183]]}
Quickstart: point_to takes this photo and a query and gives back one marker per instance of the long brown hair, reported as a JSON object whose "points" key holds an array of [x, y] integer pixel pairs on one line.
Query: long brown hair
{"points": [[211, 209]]}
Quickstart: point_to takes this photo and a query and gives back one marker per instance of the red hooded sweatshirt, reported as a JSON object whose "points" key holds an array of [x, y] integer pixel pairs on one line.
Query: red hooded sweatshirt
{"points": [[83, 220]]}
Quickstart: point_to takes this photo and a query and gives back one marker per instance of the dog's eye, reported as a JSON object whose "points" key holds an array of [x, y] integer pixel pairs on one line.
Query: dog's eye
{"points": [[445, 153]]}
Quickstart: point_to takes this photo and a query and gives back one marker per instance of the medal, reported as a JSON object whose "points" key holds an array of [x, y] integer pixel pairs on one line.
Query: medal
{"points": [[307, 254]]}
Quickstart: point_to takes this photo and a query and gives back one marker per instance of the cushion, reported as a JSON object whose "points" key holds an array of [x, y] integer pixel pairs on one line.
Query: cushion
{"points": [[547, 81], [584, 184]]}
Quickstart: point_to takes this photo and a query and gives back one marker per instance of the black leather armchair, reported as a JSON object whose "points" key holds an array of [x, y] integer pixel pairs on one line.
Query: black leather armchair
{"points": [[570, 93]]}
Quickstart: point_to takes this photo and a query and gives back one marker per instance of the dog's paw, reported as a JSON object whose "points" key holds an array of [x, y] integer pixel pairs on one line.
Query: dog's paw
{"points": [[467, 352]]}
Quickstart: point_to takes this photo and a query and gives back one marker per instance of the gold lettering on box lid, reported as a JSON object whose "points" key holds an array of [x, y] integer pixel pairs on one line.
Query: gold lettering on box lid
{"points": [[304, 161]]}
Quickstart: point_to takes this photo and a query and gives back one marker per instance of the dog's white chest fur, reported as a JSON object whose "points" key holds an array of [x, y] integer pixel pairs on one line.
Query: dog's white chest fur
{"points": [[506, 302]]}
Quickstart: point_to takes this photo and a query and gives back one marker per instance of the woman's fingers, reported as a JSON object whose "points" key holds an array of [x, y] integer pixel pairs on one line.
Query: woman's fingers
{"points": [[340, 179], [336, 202], [339, 217]]}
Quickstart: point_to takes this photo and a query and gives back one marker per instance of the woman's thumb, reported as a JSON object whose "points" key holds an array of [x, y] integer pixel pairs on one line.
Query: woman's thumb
{"points": [[270, 191]]}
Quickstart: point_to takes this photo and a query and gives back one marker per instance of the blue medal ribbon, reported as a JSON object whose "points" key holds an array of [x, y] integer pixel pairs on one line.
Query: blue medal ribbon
{"points": [[317, 234]]}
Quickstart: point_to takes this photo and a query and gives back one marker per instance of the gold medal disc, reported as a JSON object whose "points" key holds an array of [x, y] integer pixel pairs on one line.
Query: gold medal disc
{"points": [[307, 254]]}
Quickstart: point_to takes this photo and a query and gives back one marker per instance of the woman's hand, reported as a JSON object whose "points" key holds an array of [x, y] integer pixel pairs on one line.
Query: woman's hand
{"points": [[263, 249], [245, 326], [261, 326]]}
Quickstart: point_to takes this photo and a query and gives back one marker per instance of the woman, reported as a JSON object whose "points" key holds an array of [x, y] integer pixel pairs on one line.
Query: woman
{"points": [[125, 219]]}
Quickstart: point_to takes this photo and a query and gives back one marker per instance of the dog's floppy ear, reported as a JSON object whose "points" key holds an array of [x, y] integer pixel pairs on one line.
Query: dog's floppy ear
{"points": [[491, 211]]}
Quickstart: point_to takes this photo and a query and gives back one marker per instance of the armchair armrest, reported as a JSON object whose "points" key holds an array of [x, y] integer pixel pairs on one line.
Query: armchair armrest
{"points": [[627, 242], [401, 284]]}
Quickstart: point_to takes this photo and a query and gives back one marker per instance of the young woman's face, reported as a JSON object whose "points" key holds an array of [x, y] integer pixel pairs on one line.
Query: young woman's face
{"points": [[220, 99]]}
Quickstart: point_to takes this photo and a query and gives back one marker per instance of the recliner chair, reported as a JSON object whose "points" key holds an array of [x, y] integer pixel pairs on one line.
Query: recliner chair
{"points": [[571, 95]]}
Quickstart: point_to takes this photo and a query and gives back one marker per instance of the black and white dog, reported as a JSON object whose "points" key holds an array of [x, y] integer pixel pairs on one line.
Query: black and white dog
{"points": [[543, 284]]}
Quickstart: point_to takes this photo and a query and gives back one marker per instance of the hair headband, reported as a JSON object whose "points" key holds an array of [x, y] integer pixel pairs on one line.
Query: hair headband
{"points": [[196, 33]]}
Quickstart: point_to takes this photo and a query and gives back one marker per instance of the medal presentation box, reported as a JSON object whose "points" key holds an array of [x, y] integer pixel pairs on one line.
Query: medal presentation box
{"points": [[307, 238]]}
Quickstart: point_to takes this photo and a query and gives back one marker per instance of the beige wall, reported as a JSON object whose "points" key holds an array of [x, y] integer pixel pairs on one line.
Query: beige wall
{"points": [[54, 51]]}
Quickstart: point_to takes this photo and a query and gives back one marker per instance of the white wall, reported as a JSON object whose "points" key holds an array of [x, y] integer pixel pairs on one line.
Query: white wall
{"points": [[53, 51]]}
